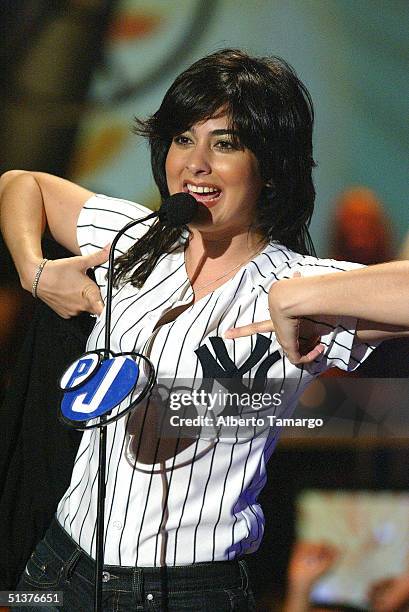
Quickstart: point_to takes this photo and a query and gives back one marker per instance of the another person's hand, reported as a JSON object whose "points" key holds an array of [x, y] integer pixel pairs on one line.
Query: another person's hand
{"points": [[297, 337], [390, 594], [65, 287], [309, 561]]}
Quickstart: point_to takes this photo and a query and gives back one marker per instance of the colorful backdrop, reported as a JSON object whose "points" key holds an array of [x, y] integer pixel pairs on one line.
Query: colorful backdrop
{"points": [[352, 54]]}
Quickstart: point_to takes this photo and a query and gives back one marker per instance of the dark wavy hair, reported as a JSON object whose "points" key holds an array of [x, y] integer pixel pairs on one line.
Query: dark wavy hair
{"points": [[271, 113]]}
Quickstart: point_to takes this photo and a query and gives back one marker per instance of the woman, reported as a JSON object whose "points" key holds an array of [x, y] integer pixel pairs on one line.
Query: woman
{"points": [[235, 133]]}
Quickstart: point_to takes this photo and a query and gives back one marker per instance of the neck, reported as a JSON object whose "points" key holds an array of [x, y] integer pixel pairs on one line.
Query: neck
{"points": [[229, 247], [212, 260]]}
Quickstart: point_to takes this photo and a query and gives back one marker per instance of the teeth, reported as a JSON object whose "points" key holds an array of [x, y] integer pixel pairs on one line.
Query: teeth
{"points": [[197, 189]]}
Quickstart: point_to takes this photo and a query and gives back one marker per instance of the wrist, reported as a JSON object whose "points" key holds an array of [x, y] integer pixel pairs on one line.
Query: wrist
{"points": [[297, 601], [300, 590], [283, 298], [28, 273], [37, 276], [295, 297]]}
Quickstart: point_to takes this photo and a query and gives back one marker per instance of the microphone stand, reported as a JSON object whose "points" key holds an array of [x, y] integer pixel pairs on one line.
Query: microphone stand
{"points": [[101, 491], [177, 210]]}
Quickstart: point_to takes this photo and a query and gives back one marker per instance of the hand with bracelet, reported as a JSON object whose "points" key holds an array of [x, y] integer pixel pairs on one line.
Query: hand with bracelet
{"points": [[62, 284]]}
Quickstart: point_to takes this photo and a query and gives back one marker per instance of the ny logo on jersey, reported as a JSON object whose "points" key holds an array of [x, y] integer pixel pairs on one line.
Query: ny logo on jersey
{"points": [[223, 369]]}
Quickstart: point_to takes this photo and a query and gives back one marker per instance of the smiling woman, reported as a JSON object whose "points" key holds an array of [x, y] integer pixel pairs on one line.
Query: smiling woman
{"points": [[265, 115], [224, 178], [182, 512]]}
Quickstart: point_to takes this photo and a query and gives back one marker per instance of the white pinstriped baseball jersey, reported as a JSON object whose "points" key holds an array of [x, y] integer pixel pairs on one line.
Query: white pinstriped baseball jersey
{"points": [[200, 503]]}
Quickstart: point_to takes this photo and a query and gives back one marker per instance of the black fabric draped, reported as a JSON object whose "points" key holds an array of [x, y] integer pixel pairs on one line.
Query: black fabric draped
{"points": [[36, 452]]}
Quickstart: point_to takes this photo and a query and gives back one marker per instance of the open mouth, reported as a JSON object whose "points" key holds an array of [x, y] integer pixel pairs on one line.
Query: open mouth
{"points": [[205, 194]]}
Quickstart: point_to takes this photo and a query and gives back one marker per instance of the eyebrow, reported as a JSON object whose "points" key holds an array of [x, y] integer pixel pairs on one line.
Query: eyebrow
{"points": [[219, 132]]}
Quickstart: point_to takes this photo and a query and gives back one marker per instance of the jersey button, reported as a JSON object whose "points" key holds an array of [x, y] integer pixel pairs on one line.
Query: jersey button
{"points": [[149, 597], [117, 524]]}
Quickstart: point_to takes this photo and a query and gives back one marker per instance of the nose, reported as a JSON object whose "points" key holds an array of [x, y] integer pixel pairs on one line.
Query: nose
{"points": [[198, 161]]}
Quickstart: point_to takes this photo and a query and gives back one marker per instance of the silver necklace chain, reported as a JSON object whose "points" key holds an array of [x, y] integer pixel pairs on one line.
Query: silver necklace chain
{"points": [[226, 273]]}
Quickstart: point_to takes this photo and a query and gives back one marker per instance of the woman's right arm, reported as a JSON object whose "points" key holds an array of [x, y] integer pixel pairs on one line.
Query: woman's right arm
{"points": [[30, 202]]}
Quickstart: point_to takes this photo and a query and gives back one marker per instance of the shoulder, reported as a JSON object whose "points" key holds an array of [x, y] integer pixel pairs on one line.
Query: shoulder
{"points": [[269, 263], [277, 262], [110, 208], [106, 213], [308, 265], [102, 217]]}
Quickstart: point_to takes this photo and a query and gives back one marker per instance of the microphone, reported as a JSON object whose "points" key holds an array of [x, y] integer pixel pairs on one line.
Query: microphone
{"points": [[179, 209]]}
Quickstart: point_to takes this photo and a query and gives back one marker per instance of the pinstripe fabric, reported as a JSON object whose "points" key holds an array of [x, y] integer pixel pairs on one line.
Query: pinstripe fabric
{"points": [[200, 503]]}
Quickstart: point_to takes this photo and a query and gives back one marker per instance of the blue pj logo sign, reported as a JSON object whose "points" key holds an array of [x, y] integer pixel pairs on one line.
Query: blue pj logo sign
{"points": [[93, 387]]}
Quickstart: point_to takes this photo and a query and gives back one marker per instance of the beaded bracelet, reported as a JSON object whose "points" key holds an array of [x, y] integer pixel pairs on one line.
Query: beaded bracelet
{"points": [[37, 275]]}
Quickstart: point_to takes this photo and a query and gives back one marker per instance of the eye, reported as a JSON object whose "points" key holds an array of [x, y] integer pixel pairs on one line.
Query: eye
{"points": [[182, 139], [225, 145]]}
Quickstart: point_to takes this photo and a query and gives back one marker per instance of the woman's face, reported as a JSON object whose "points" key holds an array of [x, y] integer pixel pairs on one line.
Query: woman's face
{"points": [[224, 179]]}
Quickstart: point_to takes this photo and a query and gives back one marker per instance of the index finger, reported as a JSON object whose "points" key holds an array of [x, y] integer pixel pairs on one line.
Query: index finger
{"points": [[248, 330]]}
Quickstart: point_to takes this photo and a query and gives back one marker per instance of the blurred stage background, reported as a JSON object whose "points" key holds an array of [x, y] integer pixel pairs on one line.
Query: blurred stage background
{"points": [[74, 74]]}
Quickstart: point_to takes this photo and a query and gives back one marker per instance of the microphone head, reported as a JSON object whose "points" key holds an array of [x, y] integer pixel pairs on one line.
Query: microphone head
{"points": [[179, 209]]}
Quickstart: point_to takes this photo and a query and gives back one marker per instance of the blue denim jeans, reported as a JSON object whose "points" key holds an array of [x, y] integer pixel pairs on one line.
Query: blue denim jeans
{"points": [[59, 564]]}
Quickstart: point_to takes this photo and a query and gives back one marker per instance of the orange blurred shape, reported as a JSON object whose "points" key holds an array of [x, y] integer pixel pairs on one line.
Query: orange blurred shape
{"points": [[362, 230], [98, 150], [314, 395], [127, 27]]}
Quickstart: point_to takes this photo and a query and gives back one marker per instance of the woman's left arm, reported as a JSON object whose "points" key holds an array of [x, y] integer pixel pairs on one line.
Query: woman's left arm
{"points": [[377, 295]]}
